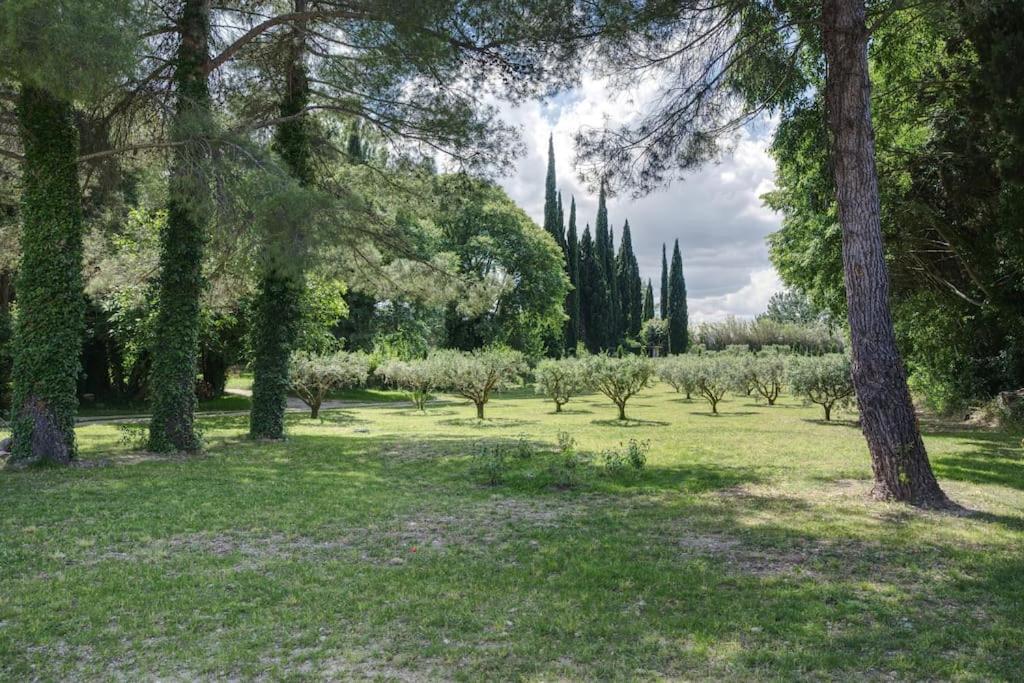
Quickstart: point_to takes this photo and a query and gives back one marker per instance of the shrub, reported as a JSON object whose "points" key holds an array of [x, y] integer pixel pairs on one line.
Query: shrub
{"points": [[313, 376], [569, 467], [680, 372], [633, 457], [476, 375], [619, 378], [716, 374], [561, 379], [417, 378], [490, 464], [824, 380]]}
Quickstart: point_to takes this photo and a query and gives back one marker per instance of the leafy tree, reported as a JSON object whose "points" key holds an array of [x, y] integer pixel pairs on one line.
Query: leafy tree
{"points": [[561, 379], [619, 378], [792, 306], [418, 378], [630, 286], [681, 372], [313, 377], [768, 375], [824, 380], [595, 311], [716, 375], [604, 250], [648, 308], [552, 220], [678, 320], [476, 375], [740, 59], [654, 335]]}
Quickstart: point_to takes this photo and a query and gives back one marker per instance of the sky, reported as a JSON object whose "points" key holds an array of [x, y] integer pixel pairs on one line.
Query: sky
{"points": [[715, 213]]}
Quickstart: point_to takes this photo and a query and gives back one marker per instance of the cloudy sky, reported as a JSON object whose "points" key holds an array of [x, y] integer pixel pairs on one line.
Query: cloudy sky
{"points": [[715, 213]]}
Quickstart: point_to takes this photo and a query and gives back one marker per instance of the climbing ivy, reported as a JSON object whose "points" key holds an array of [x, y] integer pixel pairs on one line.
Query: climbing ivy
{"points": [[277, 309], [50, 325], [182, 242]]}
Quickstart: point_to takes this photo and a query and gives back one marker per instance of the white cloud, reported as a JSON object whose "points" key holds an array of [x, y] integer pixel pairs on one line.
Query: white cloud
{"points": [[716, 213]]}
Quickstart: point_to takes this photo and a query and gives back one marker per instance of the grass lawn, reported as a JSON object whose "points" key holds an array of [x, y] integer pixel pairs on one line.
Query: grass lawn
{"points": [[366, 546]]}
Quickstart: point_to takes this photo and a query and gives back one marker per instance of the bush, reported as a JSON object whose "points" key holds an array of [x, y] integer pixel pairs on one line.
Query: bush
{"points": [[631, 458], [679, 372], [824, 380], [814, 338], [490, 464], [417, 378], [716, 374], [476, 375], [561, 379], [619, 378], [313, 376], [569, 466]]}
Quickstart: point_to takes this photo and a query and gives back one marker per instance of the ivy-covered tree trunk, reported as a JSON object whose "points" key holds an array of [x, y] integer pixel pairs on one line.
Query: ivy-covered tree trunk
{"points": [[5, 341], [176, 331], [51, 303], [277, 307], [898, 457]]}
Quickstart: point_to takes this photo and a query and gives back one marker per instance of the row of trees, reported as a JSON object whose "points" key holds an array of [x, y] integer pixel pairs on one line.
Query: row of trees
{"points": [[609, 303]]}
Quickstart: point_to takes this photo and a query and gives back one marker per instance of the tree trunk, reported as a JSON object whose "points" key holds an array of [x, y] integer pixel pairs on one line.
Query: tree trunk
{"points": [[480, 411], [314, 411], [828, 411], [622, 411], [5, 339], [51, 303], [175, 353], [558, 407], [898, 456], [281, 281]]}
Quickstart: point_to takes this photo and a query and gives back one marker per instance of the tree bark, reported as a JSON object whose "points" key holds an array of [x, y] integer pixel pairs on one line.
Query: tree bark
{"points": [[480, 411], [622, 411], [898, 457]]}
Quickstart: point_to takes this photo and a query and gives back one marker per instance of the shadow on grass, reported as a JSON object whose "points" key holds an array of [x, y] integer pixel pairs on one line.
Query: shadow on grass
{"points": [[487, 422], [630, 423]]}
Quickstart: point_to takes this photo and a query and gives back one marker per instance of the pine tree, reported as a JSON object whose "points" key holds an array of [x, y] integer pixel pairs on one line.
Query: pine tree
{"points": [[648, 312], [678, 320], [664, 284], [573, 303], [630, 286], [593, 296]]}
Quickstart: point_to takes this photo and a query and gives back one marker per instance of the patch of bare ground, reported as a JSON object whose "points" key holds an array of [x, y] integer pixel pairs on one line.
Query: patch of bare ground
{"points": [[476, 528]]}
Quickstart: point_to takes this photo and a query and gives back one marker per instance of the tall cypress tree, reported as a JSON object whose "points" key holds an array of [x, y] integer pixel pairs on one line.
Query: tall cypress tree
{"points": [[573, 332], [182, 242], [630, 286], [552, 219], [277, 309], [593, 296], [678, 339], [605, 251], [648, 302], [663, 304]]}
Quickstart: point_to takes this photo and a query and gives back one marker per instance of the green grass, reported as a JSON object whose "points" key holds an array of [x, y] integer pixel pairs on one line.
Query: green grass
{"points": [[366, 547], [226, 403]]}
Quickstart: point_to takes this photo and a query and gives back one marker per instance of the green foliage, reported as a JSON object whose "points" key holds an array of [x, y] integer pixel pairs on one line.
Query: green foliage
{"points": [[5, 358], [792, 306], [313, 377], [717, 373], [490, 463], [274, 326], [654, 335], [604, 251], [418, 378], [681, 372], [477, 374], [619, 378], [595, 305], [630, 286], [574, 325], [663, 303], [678, 318], [768, 373], [50, 323], [756, 334], [561, 379], [133, 435], [824, 380], [631, 458], [648, 308]]}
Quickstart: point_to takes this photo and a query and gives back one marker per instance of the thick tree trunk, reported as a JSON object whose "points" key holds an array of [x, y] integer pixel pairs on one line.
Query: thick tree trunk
{"points": [[480, 411], [175, 354], [281, 283], [5, 340], [314, 411], [898, 456], [622, 411], [51, 318]]}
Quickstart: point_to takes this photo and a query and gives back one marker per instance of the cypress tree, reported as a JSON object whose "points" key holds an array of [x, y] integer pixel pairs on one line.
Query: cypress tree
{"points": [[51, 317], [552, 219], [182, 242], [604, 250], [664, 284], [593, 296], [573, 303], [678, 339], [630, 286], [648, 302], [277, 307]]}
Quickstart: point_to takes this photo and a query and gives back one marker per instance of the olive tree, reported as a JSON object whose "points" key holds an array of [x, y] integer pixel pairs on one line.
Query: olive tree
{"points": [[561, 379], [825, 380], [417, 378], [768, 372], [314, 376], [477, 374], [680, 372], [716, 374], [619, 378]]}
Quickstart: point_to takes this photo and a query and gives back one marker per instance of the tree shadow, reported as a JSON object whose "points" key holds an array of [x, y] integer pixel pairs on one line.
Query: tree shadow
{"points": [[725, 413], [487, 422], [629, 423]]}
